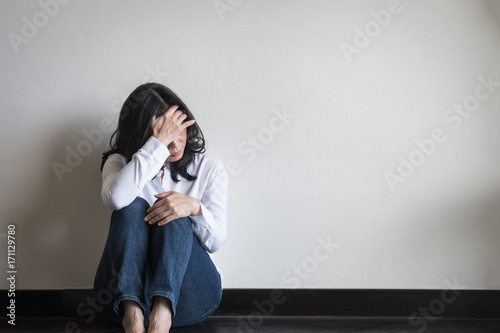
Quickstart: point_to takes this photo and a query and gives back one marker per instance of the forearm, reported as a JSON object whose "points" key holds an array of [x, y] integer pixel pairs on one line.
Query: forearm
{"points": [[122, 183]]}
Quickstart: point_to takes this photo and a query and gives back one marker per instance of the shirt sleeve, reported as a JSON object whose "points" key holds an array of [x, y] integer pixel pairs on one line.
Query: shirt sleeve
{"points": [[122, 182], [210, 227]]}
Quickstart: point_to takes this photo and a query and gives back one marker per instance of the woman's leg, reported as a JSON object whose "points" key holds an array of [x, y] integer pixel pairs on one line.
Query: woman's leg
{"points": [[169, 251], [201, 289], [122, 270], [184, 281]]}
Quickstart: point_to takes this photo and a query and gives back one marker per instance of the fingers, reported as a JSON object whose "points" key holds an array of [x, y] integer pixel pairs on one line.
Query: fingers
{"points": [[171, 110], [170, 206], [176, 117], [175, 113], [162, 218], [188, 123], [155, 206], [179, 116], [156, 212], [160, 210]]}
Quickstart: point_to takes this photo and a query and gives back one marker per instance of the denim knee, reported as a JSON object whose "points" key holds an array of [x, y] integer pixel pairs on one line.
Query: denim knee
{"points": [[135, 209], [182, 224], [139, 204]]}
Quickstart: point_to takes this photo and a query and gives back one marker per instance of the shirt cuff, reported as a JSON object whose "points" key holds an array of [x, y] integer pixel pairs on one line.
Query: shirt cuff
{"points": [[156, 149], [201, 220]]}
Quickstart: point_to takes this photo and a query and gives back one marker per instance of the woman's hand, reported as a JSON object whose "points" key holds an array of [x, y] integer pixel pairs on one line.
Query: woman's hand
{"points": [[172, 205], [170, 124]]}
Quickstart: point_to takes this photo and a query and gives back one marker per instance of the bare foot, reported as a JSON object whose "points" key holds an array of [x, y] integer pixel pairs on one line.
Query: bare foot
{"points": [[160, 319], [133, 318]]}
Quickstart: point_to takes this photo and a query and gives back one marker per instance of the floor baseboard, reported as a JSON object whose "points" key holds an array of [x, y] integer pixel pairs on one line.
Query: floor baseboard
{"points": [[370, 303]]}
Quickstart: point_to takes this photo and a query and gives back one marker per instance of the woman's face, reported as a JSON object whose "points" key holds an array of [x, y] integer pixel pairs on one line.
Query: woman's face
{"points": [[176, 147]]}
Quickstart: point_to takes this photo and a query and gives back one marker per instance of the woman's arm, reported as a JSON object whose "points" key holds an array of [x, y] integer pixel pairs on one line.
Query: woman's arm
{"points": [[122, 182]]}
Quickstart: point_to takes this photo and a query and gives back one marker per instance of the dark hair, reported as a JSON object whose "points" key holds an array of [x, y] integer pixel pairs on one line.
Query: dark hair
{"points": [[134, 127]]}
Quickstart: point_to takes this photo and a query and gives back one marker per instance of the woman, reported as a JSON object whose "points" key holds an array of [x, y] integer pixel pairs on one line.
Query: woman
{"points": [[169, 209]]}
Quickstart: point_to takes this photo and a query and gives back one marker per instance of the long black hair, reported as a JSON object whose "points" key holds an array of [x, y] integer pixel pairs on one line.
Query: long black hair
{"points": [[134, 127]]}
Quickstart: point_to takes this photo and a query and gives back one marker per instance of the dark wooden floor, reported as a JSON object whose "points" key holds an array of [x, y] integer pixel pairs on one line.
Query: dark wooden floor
{"points": [[242, 324]]}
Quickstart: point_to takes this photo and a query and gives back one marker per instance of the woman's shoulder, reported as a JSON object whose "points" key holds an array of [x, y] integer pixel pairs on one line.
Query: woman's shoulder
{"points": [[115, 159]]}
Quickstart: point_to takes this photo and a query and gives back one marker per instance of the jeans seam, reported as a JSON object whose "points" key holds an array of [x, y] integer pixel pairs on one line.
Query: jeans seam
{"points": [[126, 297], [212, 309], [163, 294]]}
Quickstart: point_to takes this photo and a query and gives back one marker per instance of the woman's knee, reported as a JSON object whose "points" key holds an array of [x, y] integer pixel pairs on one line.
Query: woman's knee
{"points": [[136, 208], [139, 204], [179, 230], [129, 221]]}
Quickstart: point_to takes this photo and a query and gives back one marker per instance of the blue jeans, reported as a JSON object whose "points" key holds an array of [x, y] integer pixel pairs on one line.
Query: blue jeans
{"points": [[141, 261]]}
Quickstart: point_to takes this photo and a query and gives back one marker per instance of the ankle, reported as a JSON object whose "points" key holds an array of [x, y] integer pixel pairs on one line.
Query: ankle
{"points": [[133, 318], [162, 305], [131, 308]]}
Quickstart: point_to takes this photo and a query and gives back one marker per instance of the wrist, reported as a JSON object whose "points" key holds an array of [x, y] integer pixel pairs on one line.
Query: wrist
{"points": [[166, 141], [196, 208]]}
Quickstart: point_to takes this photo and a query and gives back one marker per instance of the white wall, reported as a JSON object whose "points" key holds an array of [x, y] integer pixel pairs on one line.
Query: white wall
{"points": [[322, 174]]}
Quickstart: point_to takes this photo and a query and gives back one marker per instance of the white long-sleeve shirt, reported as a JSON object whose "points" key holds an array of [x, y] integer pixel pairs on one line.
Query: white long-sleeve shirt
{"points": [[122, 182]]}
